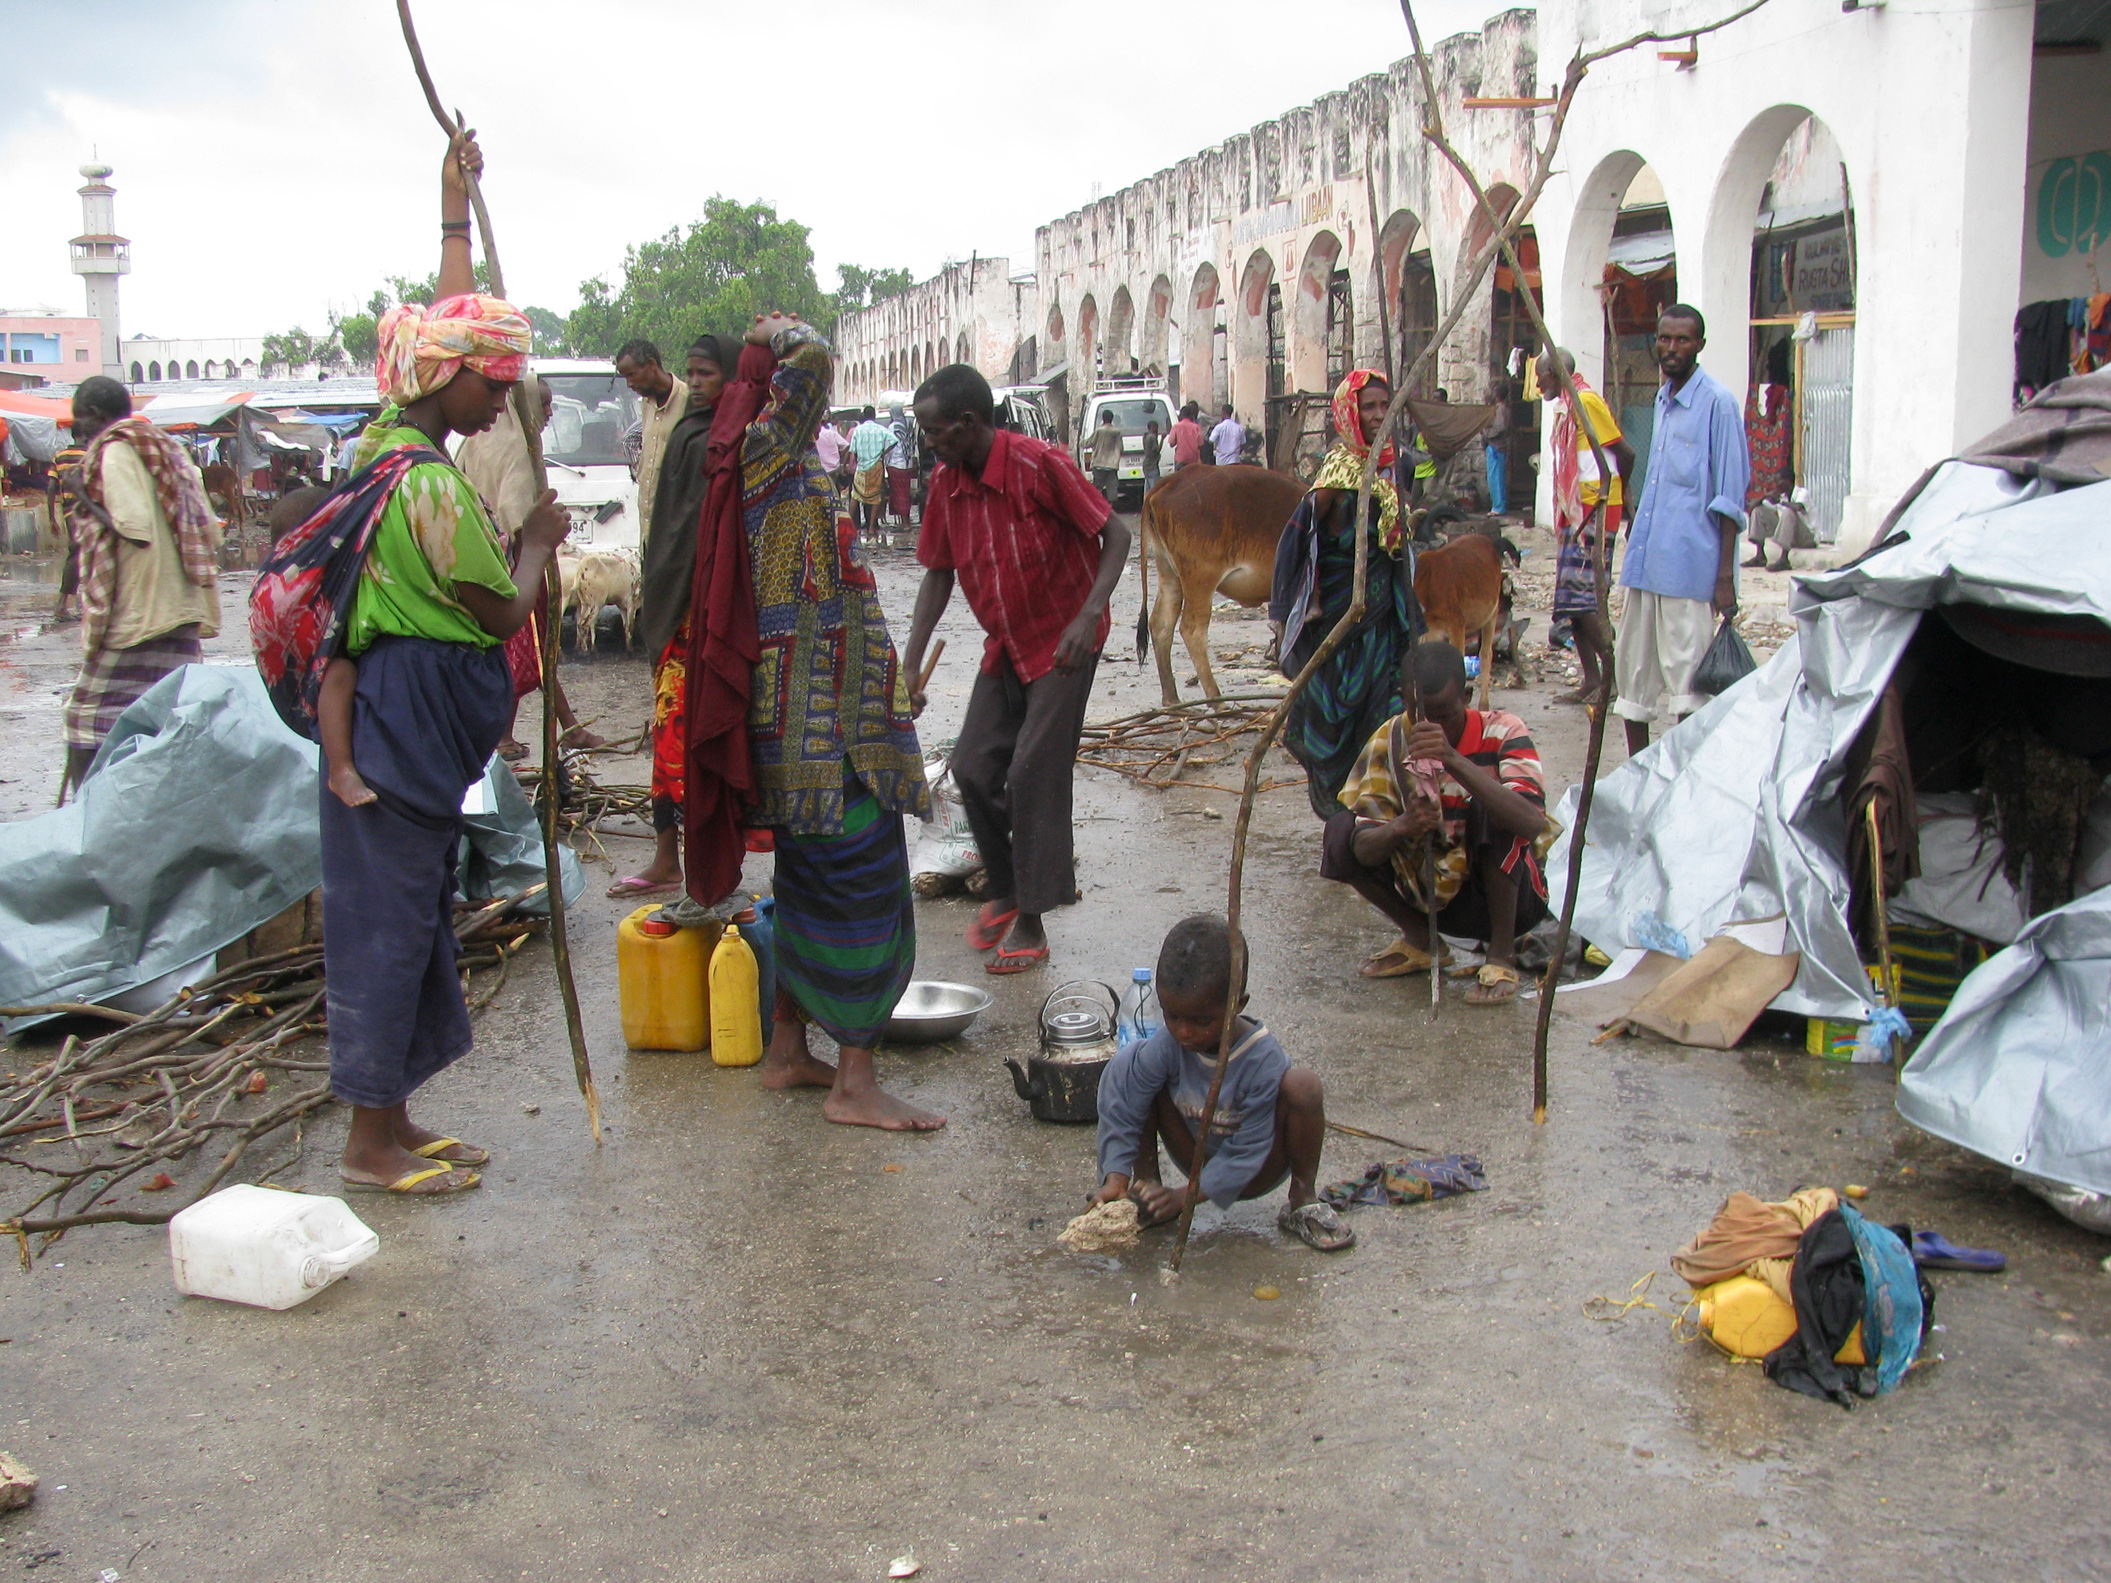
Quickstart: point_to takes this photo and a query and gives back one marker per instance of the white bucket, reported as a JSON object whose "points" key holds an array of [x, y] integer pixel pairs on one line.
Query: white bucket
{"points": [[269, 1249]]}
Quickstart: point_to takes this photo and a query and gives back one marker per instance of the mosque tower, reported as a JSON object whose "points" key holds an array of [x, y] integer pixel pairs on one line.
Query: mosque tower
{"points": [[100, 255]]}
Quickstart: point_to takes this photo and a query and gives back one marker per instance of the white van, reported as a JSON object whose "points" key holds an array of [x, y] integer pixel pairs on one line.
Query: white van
{"points": [[583, 451], [1134, 402]]}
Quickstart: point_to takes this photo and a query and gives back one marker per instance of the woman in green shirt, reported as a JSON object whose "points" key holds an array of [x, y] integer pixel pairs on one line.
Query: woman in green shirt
{"points": [[429, 696]]}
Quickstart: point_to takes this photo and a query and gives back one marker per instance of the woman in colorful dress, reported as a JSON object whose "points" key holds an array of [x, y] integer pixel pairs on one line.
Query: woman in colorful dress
{"points": [[433, 608], [1358, 689], [820, 748]]}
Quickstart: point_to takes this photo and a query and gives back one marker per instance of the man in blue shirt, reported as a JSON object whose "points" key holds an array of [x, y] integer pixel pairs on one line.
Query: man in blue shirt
{"points": [[1228, 438], [1681, 567]]}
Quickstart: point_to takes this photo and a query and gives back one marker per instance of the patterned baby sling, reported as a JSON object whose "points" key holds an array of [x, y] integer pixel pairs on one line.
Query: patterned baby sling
{"points": [[302, 600]]}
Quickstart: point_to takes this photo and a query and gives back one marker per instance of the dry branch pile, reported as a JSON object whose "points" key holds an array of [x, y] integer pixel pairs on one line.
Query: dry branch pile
{"points": [[230, 1060], [1159, 747]]}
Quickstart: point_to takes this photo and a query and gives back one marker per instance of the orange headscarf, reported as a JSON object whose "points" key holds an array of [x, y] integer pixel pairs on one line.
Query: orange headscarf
{"points": [[1343, 466]]}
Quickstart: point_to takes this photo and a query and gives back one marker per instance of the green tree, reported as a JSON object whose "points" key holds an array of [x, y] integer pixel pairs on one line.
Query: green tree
{"points": [[552, 334], [737, 261], [292, 348], [359, 335], [859, 287]]}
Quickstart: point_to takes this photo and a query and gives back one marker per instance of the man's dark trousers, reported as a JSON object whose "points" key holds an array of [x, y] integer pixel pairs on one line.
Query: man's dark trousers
{"points": [[1013, 765]]}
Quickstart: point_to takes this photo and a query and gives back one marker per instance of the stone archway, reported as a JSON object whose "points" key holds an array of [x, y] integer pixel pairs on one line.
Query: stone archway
{"points": [[963, 351], [1154, 346], [1086, 372], [1255, 350], [1119, 359], [1322, 338], [1202, 367], [1721, 286], [1410, 286]]}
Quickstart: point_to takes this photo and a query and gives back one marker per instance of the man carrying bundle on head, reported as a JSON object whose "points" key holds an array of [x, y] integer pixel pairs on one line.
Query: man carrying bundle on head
{"points": [[1455, 799]]}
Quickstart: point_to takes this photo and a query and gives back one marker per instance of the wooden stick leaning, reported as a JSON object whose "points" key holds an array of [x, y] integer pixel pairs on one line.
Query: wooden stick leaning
{"points": [[1887, 991], [923, 677], [582, 1066]]}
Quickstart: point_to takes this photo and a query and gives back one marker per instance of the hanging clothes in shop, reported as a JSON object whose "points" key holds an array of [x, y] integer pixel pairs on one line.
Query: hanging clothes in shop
{"points": [[2058, 337], [1767, 438]]}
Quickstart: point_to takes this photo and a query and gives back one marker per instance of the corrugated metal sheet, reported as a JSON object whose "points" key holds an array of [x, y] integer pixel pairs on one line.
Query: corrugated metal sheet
{"points": [[1828, 411]]}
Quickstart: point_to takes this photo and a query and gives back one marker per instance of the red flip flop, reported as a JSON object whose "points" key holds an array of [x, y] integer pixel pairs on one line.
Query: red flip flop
{"points": [[987, 930], [1012, 960]]}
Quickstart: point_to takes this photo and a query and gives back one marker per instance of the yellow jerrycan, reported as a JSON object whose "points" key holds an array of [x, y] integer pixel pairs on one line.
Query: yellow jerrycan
{"points": [[1747, 1318], [736, 1002], [661, 974]]}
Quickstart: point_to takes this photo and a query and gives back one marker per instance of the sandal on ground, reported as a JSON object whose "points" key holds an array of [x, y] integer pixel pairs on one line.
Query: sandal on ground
{"points": [[1316, 1225], [639, 885], [452, 1151], [989, 926], [1934, 1251], [1495, 985], [431, 1182], [1398, 960], [1016, 959], [579, 737], [511, 751]]}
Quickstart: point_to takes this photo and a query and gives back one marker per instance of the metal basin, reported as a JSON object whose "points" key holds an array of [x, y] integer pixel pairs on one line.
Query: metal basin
{"points": [[932, 1010]]}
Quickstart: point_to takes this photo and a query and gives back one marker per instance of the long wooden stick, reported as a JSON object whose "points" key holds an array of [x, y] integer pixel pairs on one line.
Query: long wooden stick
{"points": [[1882, 918], [531, 433]]}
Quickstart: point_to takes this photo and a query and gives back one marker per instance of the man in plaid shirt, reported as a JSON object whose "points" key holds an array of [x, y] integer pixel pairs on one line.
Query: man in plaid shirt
{"points": [[1454, 803], [1037, 550]]}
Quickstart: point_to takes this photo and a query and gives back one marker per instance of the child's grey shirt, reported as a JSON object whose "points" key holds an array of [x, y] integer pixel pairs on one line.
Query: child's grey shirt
{"points": [[1241, 1132]]}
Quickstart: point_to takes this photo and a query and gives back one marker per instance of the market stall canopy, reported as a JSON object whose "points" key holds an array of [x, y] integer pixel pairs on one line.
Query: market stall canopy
{"points": [[1448, 427], [1643, 255], [190, 412]]}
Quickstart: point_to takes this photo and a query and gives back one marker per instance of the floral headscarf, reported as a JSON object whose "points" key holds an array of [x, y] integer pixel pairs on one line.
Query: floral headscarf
{"points": [[1343, 467], [423, 348]]}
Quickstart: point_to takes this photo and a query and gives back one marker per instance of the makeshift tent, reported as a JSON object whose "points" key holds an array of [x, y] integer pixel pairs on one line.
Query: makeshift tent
{"points": [[1987, 604], [196, 824]]}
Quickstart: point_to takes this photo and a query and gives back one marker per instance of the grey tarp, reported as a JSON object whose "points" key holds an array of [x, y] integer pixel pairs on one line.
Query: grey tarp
{"points": [[196, 824], [1735, 815]]}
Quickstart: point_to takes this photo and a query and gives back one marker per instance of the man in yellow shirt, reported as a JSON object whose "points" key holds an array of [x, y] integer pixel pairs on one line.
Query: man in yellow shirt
{"points": [[150, 564], [1578, 531]]}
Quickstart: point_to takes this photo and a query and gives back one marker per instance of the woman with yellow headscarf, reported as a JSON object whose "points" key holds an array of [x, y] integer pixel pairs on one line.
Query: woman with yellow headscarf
{"points": [[1358, 689], [417, 697]]}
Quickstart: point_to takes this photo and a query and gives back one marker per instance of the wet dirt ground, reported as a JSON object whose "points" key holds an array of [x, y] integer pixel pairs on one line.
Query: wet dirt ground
{"points": [[734, 1342]]}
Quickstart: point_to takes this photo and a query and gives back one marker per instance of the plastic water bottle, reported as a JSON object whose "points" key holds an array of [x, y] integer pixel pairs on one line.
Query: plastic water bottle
{"points": [[266, 1248], [1139, 1016]]}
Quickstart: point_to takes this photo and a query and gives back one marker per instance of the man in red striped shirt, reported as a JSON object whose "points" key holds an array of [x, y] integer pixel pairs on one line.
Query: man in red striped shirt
{"points": [[1037, 550], [1454, 802]]}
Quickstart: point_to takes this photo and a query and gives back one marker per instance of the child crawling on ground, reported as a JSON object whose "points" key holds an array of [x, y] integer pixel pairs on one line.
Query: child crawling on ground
{"points": [[1270, 1119]]}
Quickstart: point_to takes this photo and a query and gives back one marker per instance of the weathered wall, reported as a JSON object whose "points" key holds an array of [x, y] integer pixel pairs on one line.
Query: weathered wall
{"points": [[969, 312]]}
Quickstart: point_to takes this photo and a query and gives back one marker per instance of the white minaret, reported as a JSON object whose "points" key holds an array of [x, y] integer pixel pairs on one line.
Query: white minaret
{"points": [[100, 255]]}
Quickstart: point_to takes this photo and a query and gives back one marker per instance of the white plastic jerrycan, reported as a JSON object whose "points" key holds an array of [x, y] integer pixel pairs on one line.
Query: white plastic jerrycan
{"points": [[266, 1248]]}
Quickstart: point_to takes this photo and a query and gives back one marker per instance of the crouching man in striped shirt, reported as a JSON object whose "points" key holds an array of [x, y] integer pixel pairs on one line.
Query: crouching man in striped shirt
{"points": [[1454, 801]]}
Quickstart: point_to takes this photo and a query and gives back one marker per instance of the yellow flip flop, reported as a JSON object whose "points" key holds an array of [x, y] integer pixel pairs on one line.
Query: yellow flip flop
{"points": [[1398, 960], [431, 1151], [410, 1183]]}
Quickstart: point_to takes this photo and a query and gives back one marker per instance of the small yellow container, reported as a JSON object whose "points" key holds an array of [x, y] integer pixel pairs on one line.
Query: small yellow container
{"points": [[1830, 1039], [1747, 1318], [662, 978], [736, 1002]]}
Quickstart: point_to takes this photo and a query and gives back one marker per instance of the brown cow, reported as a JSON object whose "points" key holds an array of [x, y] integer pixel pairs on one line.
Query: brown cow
{"points": [[224, 481], [1214, 531], [1459, 586]]}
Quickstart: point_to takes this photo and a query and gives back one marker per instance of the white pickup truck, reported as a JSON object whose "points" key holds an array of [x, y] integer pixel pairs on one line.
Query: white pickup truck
{"points": [[1134, 402], [591, 409]]}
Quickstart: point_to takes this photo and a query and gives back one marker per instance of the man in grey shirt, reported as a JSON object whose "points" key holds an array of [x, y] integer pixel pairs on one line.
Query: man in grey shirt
{"points": [[1270, 1120], [1104, 453], [1228, 438]]}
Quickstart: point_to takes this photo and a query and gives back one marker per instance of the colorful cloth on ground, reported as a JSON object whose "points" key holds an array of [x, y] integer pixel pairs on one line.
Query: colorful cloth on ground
{"points": [[1358, 688], [179, 491], [1409, 1182], [432, 535], [1343, 466], [1575, 569], [112, 679], [422, 348], [1746, 1229], [1767, 438], [828, 685], [670, 723], [1493, 741], [302, 601], [846, 918], [1024, 540]]}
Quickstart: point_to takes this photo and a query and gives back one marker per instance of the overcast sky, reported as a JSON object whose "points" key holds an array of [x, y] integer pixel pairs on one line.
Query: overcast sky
{"points": [[274, 157]]}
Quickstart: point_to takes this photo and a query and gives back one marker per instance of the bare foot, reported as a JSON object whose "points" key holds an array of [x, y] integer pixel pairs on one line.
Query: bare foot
{"points": [[351, 790], [857, 1100], [580, 737], [789, 1064], [875, 1107]]}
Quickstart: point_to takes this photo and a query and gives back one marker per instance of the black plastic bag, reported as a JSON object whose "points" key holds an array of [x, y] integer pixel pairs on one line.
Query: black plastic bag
{"points": [[1726, 663]]}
